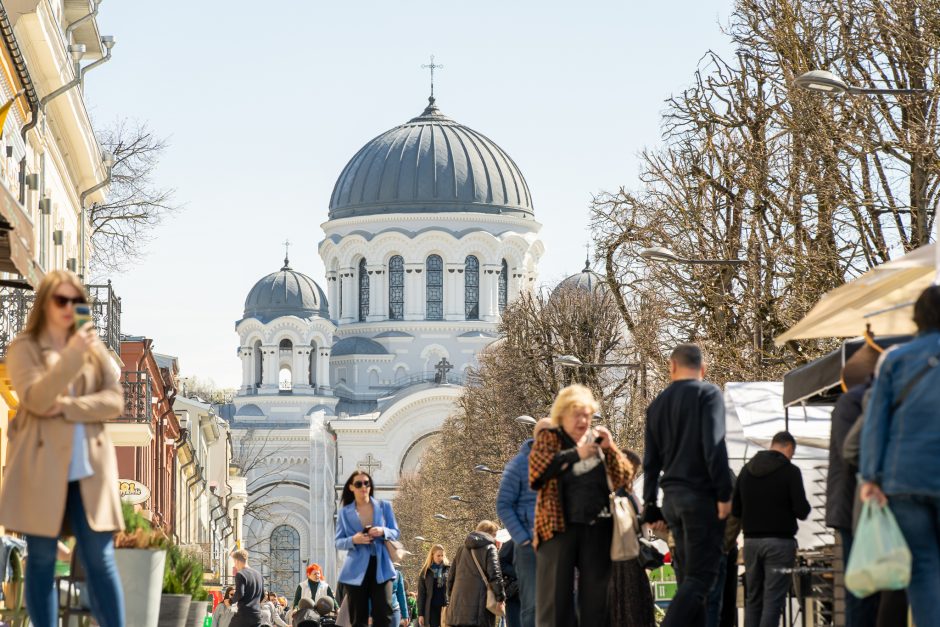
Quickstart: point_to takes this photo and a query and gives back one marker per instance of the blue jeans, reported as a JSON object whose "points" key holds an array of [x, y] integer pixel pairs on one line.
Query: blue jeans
{"points": [[919, 519], [96, 553], [396, 617], [524, 561], [693, 520], [716, 595]]}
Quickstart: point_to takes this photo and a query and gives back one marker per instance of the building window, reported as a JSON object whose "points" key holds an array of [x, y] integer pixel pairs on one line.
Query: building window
{"points": [[435, 288], [285, 560], [363, 291], [503, 285], [472, 288], [396, 288]]}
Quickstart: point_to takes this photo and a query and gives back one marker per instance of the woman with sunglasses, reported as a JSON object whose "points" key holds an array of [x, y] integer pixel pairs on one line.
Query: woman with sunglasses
{"points": [[222, 616], [364, 524], [61, 467]]}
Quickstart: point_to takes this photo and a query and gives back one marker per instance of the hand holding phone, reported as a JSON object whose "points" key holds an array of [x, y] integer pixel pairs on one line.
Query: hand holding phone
{"points": [[82, 315]]}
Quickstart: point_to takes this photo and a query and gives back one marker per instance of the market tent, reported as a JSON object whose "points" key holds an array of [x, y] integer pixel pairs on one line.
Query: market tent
{"points": [[754, 413], [883, 297]]}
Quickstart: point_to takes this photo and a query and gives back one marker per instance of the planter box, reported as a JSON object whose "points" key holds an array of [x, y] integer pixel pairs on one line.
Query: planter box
{"points": [[141, 572], [197, 613], [174, 609]]}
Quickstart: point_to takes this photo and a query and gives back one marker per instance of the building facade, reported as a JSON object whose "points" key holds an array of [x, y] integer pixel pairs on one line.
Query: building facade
{"points": [[430, 233]]}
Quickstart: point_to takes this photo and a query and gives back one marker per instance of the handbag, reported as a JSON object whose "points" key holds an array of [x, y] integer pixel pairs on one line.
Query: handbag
{"points": [[650, 557], [493, 605], [396, 550], [625, 543]]}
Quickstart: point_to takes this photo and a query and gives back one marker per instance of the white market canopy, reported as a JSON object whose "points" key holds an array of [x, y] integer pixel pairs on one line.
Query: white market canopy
{"points": [[882, 297]]}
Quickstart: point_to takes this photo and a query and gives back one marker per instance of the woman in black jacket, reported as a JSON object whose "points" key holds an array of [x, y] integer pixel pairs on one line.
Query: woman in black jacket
{"points": [[466, 587], [432, 587]]}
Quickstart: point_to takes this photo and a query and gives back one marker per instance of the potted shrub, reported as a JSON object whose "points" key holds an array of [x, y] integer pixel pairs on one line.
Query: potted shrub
{"points": [[140, 555], [178, 576]]}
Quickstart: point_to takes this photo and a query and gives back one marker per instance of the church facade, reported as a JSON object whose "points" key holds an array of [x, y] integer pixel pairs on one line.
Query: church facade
{"points": [[430, 233]]}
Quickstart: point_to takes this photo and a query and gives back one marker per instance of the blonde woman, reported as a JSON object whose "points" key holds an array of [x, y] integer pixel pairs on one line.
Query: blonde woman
{"points": [[570, 466], [432, 587], [68, 388]]}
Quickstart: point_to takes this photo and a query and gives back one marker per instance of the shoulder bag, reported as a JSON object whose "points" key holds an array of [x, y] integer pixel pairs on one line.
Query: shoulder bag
{"points": [[495, 607], [625, 542]]}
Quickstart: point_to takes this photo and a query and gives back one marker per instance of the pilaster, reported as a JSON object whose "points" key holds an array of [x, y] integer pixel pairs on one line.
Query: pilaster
{"points": [[414, 291]]}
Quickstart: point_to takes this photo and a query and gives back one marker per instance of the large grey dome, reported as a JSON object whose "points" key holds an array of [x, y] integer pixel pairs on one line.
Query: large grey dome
{"points": [[587, 280], [286, 293], [431, 164]]}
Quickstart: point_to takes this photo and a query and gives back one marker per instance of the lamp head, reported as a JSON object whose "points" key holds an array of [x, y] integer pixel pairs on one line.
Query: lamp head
{"points": [[526, 420], [821, 81], [76, 51], [659, 253], [568, 361], [107, 159], [108, 41]]}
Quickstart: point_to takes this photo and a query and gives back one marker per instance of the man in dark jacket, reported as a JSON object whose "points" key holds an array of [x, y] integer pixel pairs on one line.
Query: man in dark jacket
{"points": [[515, 504], [248, 590], [685, 441], [769, 498]]}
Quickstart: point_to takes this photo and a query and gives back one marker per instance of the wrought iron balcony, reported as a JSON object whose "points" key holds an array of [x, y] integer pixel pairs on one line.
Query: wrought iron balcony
{"points": [[15, 304], [106, 313], [137, 396]]}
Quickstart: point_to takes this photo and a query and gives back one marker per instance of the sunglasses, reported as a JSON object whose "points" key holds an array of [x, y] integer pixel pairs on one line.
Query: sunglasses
{"points": [[62, 301], [362, 484]]}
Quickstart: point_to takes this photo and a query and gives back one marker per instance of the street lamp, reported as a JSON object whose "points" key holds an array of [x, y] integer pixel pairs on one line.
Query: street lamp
{"points": [[825, 82], [485, 468], [441, 517], [528, 421], [458, 499], [664, 255], [570, 361], [421, 539]]}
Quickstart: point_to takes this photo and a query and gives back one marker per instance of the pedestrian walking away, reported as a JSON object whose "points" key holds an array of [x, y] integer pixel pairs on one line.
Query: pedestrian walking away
{"points": [[515, 504], [573, 468], [61, 466], [685, 443], [249, 591], [432, 587], [475, 569], [363, 527], [899, 461], [769, 498]]}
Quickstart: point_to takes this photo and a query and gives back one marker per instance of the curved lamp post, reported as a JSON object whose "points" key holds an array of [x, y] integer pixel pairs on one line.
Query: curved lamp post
{"points": [[664, 255], [526, 420], [485, 468], [458, 499], [825, 82]]}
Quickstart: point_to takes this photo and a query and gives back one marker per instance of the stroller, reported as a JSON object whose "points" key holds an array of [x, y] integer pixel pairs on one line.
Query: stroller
{"points": [[310, 614]]}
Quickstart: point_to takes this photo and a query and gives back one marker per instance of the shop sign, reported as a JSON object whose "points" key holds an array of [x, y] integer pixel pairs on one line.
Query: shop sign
{"points": [[133, 492]]}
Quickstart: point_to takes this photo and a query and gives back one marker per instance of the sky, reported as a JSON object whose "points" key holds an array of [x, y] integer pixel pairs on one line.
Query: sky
{"points": [[263, 103]]}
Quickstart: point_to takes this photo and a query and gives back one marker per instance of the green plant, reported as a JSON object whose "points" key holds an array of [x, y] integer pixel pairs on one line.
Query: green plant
{"points": [[138, 533], [183, 574]]}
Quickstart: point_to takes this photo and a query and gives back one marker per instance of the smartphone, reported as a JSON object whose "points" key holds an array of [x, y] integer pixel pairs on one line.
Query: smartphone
{"points": [[366, 528], [598, 440], [82, 316]]}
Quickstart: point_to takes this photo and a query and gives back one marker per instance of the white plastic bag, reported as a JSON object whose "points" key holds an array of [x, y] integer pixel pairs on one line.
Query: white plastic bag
{"points": [[880, 558]]}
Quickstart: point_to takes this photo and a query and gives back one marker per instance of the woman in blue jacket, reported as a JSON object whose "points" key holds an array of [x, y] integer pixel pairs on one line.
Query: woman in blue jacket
{"points": [[364, 524]]}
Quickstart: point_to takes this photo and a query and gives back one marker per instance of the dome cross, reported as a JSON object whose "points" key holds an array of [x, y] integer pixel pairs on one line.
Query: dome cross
{"points": [[432, 66], [286, 244]]}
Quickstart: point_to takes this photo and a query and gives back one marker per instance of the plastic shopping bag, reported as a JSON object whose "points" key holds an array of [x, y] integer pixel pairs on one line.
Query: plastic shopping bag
{"points": [[880, 558]]}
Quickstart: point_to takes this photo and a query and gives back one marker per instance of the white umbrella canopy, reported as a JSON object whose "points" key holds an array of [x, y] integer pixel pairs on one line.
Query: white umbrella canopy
{"points": [[882, 297]]}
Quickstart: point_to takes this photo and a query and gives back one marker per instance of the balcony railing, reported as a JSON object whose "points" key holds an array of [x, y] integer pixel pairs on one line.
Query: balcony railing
{"points": [[15, 304], [106, 313], [137, 396]]}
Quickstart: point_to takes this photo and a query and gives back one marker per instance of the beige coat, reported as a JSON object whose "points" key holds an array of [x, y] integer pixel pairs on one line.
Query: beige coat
{"points": [[35, 482]]}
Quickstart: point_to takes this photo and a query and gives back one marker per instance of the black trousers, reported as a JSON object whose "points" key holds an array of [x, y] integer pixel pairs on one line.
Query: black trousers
{"points": [[587, 549], [370, 593], [693, 520]]}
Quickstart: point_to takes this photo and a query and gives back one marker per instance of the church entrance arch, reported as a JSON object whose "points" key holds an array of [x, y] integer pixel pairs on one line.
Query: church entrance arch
{"points": [[411, 460]]}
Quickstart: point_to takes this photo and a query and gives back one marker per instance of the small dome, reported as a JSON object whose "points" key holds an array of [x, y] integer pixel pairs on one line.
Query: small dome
{"points": [[357, 345], [286, 293], [587, 280], [431, 164]]}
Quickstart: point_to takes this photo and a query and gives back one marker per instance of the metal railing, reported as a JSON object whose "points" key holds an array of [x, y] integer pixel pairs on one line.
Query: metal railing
{"points": [[137, 396], [15, 304], [106, 313], [425, 377]]}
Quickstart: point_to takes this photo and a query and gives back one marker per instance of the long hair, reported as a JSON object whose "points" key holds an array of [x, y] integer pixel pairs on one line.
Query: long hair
{"points": [[36, 321], [430, 558], [348, 496]]}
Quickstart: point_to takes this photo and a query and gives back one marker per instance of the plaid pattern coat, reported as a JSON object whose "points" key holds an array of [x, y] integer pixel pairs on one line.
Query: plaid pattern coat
{"points": [[546, 463]]}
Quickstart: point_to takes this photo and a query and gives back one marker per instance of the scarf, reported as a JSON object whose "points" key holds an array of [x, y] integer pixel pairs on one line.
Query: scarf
{"points": [[438, 571]]}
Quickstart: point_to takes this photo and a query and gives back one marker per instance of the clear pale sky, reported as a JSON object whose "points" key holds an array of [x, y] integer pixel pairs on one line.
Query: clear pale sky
{"points": [[265, 102]]}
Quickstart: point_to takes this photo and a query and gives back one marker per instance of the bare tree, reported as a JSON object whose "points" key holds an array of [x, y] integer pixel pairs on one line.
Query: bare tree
{"points": [[122, 226]]}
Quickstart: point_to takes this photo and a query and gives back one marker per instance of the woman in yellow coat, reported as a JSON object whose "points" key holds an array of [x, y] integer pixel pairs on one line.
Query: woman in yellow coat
{"points": [[61, 467]]}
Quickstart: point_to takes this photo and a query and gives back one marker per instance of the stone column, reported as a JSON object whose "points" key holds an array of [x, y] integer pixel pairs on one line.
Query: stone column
{"points": [[301, 368], [323, 367], [269, 358], [350, 297], [453, 291], [414, 291], [332, 288], [378, 293], [489, 292], [246, 353], [516, 283]]}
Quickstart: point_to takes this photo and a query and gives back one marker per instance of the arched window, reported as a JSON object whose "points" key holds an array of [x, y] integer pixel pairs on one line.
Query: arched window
{"points": [[363, 291], [285, 378], [396, 288], [472, 288], [435, 288], [285, 560], [503, 285]]}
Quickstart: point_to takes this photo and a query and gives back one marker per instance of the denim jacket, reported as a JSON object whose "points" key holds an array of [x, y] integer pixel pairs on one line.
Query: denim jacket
{"points": [[900, 447]]}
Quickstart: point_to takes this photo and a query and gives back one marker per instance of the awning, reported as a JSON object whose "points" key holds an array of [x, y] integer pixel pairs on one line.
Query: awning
{"points": [[16, 241], [883, 297]]}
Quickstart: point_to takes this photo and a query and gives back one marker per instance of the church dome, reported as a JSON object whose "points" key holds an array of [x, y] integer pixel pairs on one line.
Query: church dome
{"points": [[286, 293], [431, 164], [587, 280]]}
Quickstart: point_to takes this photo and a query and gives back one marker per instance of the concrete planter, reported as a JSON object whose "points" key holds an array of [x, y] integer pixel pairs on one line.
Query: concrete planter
{"points": [[141, 573], [174, 609], [197, 613]]}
